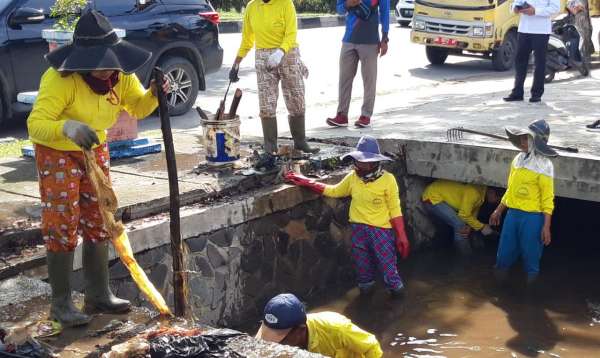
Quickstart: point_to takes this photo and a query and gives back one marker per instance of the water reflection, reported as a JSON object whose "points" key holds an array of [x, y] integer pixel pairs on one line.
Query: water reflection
{"points": [[454, 308]]}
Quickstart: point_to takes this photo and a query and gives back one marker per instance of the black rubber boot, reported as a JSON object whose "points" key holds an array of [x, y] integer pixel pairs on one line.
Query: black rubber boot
{"points": [[297, 128], [269, 128], [62, 309], [398, 294], [98, 296], [266, 161]]}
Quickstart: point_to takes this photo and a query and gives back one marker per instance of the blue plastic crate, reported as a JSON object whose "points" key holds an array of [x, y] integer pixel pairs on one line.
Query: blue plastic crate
{"points": [[119, 149]]}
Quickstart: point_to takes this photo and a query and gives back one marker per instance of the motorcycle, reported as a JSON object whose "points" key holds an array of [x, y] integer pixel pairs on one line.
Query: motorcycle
{"points": [[565, 49]]}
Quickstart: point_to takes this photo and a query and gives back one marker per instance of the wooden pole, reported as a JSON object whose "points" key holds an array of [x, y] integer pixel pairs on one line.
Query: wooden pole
{"points": [[179, 276]]}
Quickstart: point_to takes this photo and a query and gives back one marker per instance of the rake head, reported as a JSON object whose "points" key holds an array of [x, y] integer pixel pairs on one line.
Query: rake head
{"points": [[454, 134]]}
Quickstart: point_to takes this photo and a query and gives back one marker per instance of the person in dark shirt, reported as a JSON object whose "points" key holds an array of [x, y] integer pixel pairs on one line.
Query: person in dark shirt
{"points": [[361, 43]]}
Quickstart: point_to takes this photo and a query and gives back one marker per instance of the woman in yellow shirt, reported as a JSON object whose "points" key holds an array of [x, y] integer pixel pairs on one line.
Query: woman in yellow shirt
{"points": [[271, 25], [90, 81], [375, 215], [529, 198]]}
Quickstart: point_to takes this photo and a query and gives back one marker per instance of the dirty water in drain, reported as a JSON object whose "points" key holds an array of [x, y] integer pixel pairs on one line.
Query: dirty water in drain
{"points": [[453, 308]]}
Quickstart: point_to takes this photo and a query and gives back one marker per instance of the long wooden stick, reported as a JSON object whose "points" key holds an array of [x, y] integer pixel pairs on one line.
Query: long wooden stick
{"points": [[179, 275]]}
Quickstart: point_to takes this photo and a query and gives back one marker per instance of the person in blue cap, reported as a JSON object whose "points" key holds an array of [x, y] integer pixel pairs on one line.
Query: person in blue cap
{"points": [[529, 199], [328, 333], [375, 215]]}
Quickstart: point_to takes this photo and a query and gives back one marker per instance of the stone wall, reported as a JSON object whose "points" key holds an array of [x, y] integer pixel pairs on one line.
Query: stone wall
{"points": [[240, 254], [234, 271]]}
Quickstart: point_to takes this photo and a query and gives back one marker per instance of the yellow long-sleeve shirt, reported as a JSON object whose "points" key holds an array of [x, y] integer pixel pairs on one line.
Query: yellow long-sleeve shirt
{"points": [[373, 203], [334, 335], [271, 25], [466, 199], [529, 191], [70, 97]]}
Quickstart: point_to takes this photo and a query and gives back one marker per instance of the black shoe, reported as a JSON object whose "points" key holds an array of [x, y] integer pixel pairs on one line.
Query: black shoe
{"points": [[594, 126], [535, 99], [512, 98]]}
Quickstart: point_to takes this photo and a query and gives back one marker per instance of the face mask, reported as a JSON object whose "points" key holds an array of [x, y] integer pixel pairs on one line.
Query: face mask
{"points": [[369, 175]]}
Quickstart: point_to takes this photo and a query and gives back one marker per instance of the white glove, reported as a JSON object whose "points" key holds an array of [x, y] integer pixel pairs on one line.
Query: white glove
{"points": [[80, 133], [487, 230], [275, 58]]}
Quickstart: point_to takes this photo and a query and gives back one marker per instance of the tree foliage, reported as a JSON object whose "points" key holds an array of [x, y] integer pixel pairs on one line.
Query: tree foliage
{"points": [[66, 13]]}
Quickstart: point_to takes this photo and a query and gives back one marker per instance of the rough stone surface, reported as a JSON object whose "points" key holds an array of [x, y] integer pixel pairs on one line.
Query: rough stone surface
{"points": [[221, 238], [158, 276], [216, 256], [252, 257], [197, 244], [200, 290], [203, 266], [118, 270], [149, 258], [235, 270]]}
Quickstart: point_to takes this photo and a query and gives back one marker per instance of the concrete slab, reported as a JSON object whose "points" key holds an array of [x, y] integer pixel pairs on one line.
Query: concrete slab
{"points": [[141, 184], [419, 134]]}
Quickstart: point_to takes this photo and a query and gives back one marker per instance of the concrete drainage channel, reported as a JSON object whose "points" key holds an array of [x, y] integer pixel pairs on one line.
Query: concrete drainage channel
{"points": [[281, 238]]}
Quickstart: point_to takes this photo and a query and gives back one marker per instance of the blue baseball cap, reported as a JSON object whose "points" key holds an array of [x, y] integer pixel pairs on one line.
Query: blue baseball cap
{"points": [[282, 313]]}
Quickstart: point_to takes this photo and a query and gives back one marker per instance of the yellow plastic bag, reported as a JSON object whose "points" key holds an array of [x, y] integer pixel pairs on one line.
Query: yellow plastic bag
{"points": [[122, 246], [107, 200]]}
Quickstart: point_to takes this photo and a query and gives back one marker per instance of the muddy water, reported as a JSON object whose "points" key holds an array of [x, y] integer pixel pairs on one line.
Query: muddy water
{"points": [[454, 308]]}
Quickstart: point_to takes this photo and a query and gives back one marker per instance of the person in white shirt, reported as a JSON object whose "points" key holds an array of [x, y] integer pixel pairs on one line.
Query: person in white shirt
{"points": [[535, 26]]}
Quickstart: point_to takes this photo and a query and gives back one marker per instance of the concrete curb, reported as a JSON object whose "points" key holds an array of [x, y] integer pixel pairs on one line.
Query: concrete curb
{"points": [[226, 27], [146, 234]]}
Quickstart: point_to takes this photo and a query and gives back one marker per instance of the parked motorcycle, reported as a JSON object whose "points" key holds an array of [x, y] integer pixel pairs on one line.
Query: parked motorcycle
{"points": [[565, 49]]}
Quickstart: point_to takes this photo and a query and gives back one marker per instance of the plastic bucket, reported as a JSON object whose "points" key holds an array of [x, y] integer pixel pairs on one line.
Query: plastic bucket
{"points": [[221, 140]]}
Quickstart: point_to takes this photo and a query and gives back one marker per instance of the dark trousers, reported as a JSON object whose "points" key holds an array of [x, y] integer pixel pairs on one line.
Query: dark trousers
{"points": [[538, 43]]}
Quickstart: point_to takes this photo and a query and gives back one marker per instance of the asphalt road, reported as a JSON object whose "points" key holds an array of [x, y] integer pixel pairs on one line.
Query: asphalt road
{"points": [[405, 76], [405, 79]]}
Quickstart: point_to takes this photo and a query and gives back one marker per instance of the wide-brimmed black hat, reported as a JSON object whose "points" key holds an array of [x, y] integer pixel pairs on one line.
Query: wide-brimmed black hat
{"points": [[96, 46], [540, 132]]}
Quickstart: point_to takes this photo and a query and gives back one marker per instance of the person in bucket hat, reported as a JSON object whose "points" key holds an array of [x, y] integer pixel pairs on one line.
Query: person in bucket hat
{"points": [[328, 333], [375, 214], [529, 199], [89, 83]]}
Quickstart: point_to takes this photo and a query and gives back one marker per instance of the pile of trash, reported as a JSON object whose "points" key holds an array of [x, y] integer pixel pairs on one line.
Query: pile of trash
{"points": [[12, 346], [178, 342]]}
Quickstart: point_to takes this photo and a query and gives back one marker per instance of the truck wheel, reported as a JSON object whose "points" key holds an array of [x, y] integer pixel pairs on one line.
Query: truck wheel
{"points": [[184, 84], [503, 57], [436, 55]]}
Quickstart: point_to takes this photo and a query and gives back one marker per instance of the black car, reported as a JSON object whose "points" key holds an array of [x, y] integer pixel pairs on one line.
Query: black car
{"points": [[183, 36]]}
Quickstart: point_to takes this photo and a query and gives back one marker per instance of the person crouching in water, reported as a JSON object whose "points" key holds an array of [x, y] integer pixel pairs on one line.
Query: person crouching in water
{"points": [[375, 215], [529, 198], [457, 205], [327, 333]]}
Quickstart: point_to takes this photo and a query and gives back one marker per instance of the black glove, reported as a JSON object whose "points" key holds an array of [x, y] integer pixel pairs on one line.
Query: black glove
{"points": [[233, 73]]}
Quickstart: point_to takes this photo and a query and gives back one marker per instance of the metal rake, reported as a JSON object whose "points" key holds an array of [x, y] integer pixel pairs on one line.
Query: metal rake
{"points": [[456, 134]]}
